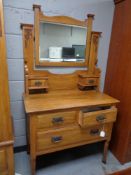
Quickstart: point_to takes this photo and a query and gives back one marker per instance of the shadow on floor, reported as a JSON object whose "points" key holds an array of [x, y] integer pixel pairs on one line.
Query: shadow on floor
{"points": [[69, 155]]}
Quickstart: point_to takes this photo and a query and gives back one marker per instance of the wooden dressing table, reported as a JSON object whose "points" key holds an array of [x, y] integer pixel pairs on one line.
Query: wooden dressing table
{"points": [[64, 110]]}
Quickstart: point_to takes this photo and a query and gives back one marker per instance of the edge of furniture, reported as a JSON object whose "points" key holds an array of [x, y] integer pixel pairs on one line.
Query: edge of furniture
{"points": [[6, 126]]}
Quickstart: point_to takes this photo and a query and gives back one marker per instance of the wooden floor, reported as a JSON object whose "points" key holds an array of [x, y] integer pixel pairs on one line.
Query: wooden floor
{"points": [[124, 172]]}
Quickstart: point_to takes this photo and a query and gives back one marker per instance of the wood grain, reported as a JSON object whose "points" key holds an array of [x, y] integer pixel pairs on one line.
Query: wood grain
{"points": [[6, 130], [93, 51], [87, 119], [69, 136], [47, 121], [118, 78], [3, 161], [6, 160], [0, 25], [71, 99]]}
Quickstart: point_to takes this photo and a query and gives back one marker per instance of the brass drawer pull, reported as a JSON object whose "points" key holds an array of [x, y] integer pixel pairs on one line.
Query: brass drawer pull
{"points": [[100, 118], [91, 81], [38, 83], [57, 120], [56, 139], [94, 132]]}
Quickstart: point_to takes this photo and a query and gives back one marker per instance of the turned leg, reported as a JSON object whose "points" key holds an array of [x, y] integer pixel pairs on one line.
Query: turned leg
{"points": [[33, 166], [106, 145]]}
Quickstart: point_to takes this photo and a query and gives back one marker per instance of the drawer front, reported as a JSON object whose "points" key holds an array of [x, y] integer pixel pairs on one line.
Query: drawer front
{"points": [[56, 119], [55, 140], [37, 83], [97, 117], [89, 81], [3, 162]]}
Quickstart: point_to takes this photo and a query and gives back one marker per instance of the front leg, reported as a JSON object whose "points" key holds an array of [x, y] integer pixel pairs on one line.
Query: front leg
{"points": [[106, 145], [33, 165]]}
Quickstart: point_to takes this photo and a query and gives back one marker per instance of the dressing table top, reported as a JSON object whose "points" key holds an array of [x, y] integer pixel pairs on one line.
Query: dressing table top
{"points": [[65, 99]]}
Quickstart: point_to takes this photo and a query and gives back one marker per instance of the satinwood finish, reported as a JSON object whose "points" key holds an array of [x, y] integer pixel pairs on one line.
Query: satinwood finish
{"points": [[53, 120], [118, 79], [54, 102], [87, 119], [6, 134], [71, 99]]}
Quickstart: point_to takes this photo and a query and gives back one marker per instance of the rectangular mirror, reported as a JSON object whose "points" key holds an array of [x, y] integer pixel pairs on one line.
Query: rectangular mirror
{"points": [[62, 42]]}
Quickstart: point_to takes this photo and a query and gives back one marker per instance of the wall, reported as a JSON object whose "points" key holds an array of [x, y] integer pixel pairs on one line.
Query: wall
{"points": [[17, 12]]}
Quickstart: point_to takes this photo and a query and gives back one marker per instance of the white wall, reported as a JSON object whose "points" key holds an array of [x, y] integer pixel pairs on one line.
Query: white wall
{"points": [[17, 12]]}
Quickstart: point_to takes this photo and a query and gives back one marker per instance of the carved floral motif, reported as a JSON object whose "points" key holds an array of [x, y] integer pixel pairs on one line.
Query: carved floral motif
{"points": [[28, 36], [95, 41]]}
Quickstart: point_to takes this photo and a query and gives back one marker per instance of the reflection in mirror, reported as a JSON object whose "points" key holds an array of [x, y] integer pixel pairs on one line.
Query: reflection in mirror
{"points": [[62, 43]]}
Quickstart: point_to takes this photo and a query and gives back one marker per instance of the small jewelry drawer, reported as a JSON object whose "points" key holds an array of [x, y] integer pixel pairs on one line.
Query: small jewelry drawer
{"points": [[86, 119], [57, 139], [56, 119], [85, 81], [38, 83]]}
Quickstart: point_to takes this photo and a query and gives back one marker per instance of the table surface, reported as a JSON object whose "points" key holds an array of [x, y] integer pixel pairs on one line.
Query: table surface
{"points": [[65, 99]]}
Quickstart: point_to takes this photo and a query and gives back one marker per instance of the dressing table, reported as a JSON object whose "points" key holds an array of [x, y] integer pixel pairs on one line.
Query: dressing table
{"points": [[64, 110]]}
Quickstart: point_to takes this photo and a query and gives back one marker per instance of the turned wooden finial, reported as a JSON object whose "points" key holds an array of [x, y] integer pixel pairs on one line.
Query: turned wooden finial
{"points": [[36, 7], [22, 25], [90, 16]]}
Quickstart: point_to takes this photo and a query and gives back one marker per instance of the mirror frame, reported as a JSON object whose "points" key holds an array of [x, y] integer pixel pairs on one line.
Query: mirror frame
{"points": [[40, 17]]}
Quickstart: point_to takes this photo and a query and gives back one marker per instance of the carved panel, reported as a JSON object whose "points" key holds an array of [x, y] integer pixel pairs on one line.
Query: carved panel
{"points": [[28, 36], [96, 40]]}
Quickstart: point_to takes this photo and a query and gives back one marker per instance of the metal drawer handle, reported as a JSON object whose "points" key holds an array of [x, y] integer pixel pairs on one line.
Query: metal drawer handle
{"points": [[56, 139], [94, 132], [38, 83], [100, 118], [91, 81], [57, 120]]}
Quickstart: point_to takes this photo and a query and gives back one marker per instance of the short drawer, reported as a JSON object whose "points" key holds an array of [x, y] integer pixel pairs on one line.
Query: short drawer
{"points": [[38, 83], [57, 139], [85, 81], [56, 119], [86, 119]]}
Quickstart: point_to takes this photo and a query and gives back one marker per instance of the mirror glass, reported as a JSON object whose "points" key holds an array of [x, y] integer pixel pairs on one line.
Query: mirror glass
{"points": [[62, 43]]}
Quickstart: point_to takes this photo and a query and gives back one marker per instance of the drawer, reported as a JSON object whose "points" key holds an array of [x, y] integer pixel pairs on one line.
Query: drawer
{"points": [[3, 162], [56, 119], [38, 83], [86, 119], [65, 137], [89, 81]]}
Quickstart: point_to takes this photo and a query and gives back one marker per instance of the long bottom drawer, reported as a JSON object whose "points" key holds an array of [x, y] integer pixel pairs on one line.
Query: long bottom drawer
{"points": [[49, 140]]}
